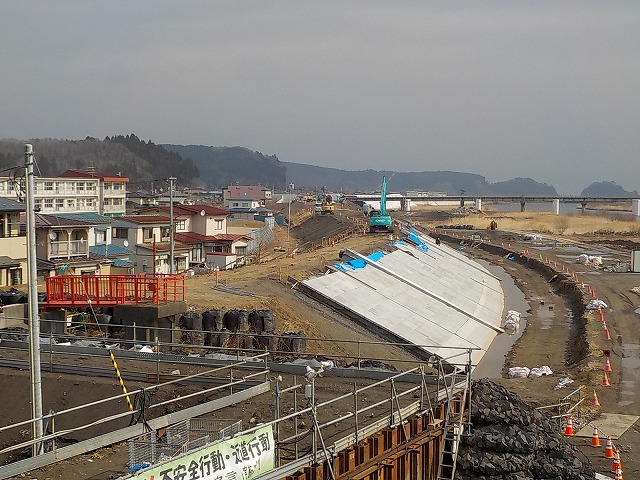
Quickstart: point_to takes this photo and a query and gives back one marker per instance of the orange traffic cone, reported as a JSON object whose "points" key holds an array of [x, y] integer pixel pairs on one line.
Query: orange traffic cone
{"points": [[605, 380], [595, 438], [618, 474], [607, 364], [593, 293], [607, 335], [594, 399], [604, 325], [601, 313], [616, 462], [608, 450], [568, 431]]}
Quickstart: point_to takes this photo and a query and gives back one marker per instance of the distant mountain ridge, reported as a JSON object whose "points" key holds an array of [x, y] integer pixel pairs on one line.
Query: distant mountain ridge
{"points": [[144, 162], [452, 183]]}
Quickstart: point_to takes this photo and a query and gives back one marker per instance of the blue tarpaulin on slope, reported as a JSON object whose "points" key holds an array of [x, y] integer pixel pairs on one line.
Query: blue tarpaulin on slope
{"points": [[358, 263], [420, 245]]}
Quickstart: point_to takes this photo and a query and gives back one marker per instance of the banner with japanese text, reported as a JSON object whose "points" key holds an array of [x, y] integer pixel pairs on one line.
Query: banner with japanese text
{"points": [[240, 458]]}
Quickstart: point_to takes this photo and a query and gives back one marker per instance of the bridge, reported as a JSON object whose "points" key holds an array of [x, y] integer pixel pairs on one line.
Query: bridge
{"points": [[476, 200]]}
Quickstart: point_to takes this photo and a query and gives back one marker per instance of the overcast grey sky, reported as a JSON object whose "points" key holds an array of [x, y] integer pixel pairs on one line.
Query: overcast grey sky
{"points": [[547, 90]]}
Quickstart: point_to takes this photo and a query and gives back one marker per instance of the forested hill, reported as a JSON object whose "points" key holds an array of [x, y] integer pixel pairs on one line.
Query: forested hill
{"points": [[140, 161], [223, 166], [442, 181], [217, 167]]}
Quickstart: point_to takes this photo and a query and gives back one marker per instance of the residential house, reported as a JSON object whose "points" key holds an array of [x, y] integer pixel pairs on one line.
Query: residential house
{"points": [[114, 259], [65, 244], [204, 229], [13, 244], [257, 192], [148, 236], [136, 200], [242, 204]]}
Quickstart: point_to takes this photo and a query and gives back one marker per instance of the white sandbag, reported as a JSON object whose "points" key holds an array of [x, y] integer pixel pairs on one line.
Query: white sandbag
{"points": [[583, 259], [511, 322], [595, 260], [563, 383], [595, 304], [540, 372], [519, 372]]}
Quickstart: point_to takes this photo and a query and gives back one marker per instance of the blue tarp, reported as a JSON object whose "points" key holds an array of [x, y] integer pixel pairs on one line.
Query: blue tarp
{"points": [[420, 245], [358, 263]]}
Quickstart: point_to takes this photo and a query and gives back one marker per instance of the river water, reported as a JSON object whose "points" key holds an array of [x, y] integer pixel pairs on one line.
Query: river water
{"points": [[493, 360]]}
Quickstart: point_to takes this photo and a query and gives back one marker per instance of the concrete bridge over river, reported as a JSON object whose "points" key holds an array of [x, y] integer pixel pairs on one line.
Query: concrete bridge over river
{"points": [[404, 202]]}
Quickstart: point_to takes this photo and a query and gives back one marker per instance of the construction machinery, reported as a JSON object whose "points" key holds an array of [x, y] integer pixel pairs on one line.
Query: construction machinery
{"points": [[328, 208], [378, 219]]}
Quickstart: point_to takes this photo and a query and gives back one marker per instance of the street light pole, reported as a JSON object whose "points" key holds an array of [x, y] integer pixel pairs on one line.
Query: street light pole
{"points": [[34, 319], [171, 226]]}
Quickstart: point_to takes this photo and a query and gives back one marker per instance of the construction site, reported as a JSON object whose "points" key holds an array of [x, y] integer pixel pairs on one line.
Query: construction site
{"points": [[341, 354]]}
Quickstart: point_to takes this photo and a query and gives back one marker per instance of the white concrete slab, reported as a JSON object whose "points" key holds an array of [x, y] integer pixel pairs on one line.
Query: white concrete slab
{"points": [[439, 300]]}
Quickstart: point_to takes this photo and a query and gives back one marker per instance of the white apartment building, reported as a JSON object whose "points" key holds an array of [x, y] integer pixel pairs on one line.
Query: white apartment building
{"points": [[76, 191]]}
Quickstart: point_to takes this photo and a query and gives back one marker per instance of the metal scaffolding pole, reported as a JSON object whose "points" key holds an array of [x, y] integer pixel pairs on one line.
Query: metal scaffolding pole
{"points": [[34, 319]]}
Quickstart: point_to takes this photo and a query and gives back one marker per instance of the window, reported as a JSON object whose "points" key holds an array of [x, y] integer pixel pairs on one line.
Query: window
{"points": [[71, 204], [181, 225], [48, 186], [147, 234], [120, 232], [37, 204], [80, 186], [48, 203], [235, 204], [241, 251], [117, 186], [101, 236], [116, 201], [91, 187], [218, 225], [15, 276], [59, 204], [165, 232]]}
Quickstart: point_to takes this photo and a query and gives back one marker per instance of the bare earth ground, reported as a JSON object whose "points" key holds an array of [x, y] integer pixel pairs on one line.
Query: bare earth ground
{"points": [[551, 338]]}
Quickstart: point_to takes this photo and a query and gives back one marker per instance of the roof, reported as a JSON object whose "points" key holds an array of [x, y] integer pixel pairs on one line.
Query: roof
{"points": [[43, 220], [141, 195], [119, 262], [86, 217], [7, 262], [164, 246], [197, 209], [42, 264], [107, 177], [243, 199], [147, 219], [8, 205], [231, 237], [192, 237], [109, 250], [437, 299]]}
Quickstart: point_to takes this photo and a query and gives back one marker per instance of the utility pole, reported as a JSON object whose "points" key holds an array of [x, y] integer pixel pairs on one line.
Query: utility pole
{"points": [[171, 226], [34, 319]]}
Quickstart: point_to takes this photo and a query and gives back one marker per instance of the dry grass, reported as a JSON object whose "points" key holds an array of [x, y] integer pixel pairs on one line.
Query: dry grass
{"points": [[547, 222]]}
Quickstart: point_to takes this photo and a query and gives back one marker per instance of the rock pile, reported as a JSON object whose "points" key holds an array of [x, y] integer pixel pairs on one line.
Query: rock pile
{"points": [[512, 441]]}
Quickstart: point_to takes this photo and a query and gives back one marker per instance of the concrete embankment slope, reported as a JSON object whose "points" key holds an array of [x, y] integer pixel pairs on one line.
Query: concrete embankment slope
{"points": [[428, 295]]}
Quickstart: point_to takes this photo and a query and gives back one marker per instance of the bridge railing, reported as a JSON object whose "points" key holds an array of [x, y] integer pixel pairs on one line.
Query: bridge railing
{"points": [[114, 289]]}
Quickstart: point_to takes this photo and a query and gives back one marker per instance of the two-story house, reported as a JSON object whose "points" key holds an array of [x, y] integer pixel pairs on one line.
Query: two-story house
{"points": [[204, 229], [148, 236], [13, 244]]}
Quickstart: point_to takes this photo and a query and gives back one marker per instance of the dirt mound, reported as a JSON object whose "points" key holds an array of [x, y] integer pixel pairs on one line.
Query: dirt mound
{"points": [[313, 230]]}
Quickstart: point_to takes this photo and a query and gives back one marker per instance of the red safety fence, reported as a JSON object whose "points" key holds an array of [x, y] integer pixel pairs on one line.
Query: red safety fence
{"points": [[109, 290]]}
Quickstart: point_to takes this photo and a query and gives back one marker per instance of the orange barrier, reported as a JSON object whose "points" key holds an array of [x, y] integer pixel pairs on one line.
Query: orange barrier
{"points": [[568, 431]]}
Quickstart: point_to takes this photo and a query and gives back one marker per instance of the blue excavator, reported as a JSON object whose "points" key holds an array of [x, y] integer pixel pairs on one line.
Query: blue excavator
{"points": [[378, 219]]}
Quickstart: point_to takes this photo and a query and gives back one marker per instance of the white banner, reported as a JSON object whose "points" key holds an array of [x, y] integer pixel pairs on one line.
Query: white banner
{"points": [[240, 458]]}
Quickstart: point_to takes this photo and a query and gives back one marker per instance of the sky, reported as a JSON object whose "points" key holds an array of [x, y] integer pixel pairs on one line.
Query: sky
{"points": [[542, 89]]}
